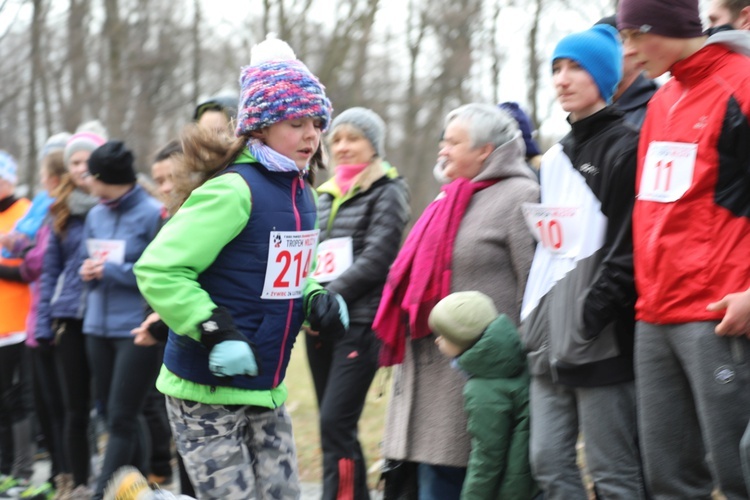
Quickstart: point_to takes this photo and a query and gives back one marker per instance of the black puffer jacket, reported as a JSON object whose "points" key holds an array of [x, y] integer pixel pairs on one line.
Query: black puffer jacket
{"points": [[375, 218]]}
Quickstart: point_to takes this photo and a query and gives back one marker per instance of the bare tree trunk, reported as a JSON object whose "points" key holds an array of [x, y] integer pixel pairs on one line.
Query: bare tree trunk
{"points": [[360, 59], [497, 57], [415, 32], [77, 31], [116, 35], [36, 34], [533, 68], [196, 51]]}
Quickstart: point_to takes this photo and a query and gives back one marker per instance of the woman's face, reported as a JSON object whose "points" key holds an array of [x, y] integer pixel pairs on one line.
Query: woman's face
{"points": [[78, 166], [350, 147], [460, 158]]}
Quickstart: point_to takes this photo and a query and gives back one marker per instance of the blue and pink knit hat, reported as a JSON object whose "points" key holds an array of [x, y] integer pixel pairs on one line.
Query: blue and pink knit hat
{"points": [[8, 168], [277, 87]]}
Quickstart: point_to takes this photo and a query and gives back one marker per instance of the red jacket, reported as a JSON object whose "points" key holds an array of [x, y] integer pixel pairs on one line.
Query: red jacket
{"points": [[694, 249]]}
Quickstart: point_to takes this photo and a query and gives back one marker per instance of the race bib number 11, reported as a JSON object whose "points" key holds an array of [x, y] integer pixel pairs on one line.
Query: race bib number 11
{"points": [[667, 171], [290, 255]]}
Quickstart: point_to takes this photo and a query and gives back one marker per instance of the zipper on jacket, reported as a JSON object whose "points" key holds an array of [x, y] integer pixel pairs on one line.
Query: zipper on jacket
{"points": [[105, 291], [298, 227]]}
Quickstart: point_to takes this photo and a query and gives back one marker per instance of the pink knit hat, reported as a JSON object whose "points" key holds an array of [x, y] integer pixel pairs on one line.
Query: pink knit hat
{"points": [[277, 87]]}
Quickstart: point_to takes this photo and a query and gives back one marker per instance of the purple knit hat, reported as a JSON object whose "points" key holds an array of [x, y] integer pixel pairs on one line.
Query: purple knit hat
{"points": [[278, 87], [670, 18]]}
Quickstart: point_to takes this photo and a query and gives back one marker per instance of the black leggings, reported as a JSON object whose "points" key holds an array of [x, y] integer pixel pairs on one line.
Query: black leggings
{"points": [[12, 407], [75, 376], [123, 375], [342, 373], [48, 402]]}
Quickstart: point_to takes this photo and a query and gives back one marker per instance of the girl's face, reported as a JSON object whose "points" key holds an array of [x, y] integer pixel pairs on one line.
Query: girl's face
{"points": [[296, 139], [350, 147], [78, 166], [48, 182]]}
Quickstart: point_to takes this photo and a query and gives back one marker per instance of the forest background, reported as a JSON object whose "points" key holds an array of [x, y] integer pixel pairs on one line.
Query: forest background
{"points": [[140, 66]]}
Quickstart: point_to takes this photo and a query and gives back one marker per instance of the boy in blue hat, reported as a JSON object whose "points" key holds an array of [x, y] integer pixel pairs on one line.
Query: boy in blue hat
{"points": [[577, 310]]}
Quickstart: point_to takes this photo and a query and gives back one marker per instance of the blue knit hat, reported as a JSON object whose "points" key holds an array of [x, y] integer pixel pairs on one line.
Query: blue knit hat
{"points": [[277, 87], [8, 168], [599, 51], [524, 123]]}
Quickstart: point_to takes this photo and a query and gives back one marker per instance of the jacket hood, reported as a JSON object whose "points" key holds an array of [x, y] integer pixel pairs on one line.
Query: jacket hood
{"points": [[497, 354], [735, 40], [507, 160]]}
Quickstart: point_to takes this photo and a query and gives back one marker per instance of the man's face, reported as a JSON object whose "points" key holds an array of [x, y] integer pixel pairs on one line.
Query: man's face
{"points": [[719, 15], [162, 173], [654, 54]]}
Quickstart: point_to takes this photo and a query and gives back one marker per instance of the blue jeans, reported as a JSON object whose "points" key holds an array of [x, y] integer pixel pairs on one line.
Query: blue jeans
{"points": [[440, 482]]}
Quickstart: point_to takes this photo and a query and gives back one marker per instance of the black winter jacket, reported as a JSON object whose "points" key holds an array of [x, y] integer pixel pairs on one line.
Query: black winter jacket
{"points": [[583, 325], [375, 219]]}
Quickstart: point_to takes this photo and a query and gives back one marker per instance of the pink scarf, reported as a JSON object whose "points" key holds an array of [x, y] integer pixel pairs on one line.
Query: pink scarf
{"points": [[345, 175], [421, 274]]}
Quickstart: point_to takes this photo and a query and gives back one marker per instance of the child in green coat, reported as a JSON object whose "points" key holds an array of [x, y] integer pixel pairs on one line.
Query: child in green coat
{"points": [[486, 346]]}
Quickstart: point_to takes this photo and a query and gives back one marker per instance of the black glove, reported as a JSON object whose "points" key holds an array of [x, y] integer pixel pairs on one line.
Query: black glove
{"points": [[219, 328], [230, 352], [327, 313], [159, 330]]}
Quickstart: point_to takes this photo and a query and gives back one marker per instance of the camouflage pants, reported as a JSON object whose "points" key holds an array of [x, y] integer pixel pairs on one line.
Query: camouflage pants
{"points": [[236, 452]]}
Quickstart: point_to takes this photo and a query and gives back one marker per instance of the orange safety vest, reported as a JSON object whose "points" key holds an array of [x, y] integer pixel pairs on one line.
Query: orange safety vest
{"points": [[15, 298]]}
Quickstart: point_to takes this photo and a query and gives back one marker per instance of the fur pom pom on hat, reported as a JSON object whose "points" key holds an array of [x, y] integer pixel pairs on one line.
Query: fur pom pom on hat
{"points": [[462, 317], [277, 87], [8, 168]]}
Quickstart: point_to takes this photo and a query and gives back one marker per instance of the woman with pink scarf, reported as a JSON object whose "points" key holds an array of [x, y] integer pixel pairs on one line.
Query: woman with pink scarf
{"points": [[472, 237]]}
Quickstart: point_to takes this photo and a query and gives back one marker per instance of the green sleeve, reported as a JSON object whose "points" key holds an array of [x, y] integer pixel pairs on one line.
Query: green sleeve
{"points": [[489, 425], [312, 286], [167, 272]]}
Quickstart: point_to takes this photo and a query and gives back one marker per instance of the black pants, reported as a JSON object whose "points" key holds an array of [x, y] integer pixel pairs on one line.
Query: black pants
{"points": [[342, 372], [123, 375], [48, 402], [12, 408], [75, 376], [155, 413]]}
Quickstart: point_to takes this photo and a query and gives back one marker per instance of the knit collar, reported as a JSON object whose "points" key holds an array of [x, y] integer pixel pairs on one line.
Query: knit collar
{"points": [[125, 201], [80, 202], [270, 158]]}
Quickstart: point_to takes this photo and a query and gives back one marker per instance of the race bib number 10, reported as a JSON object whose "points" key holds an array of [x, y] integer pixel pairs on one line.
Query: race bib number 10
{"points": [[557, 229], [290, 254], [667, 171]]}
